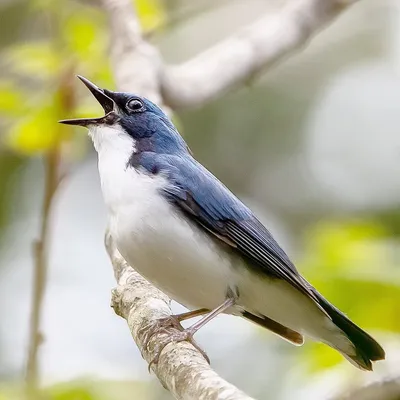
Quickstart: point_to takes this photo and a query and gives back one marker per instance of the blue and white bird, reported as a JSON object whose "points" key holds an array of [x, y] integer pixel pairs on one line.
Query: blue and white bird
{"points": [[185, 232]]}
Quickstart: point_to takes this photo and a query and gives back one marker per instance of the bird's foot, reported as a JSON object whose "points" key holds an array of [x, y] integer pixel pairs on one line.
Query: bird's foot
{"points": [[182, 336], [160, 326]]}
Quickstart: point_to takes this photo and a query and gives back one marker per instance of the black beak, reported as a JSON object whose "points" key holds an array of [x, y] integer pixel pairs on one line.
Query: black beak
{"points": [[105, 101]]}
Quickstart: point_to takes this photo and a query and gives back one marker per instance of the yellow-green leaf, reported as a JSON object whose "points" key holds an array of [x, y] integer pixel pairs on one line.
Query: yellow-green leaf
{"points": [[70, 393], [320, 356], [12, 100], [151, 14], [82, 35], [342, 245], [37, 132], [35, 59], [44, 5]]}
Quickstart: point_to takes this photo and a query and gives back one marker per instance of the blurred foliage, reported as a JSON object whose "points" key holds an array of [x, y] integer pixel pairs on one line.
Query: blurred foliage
{"points": [[81, 390], [353, 264], [46, 67], [9, 165], [390, 219], [39, 88], [152, 14]]}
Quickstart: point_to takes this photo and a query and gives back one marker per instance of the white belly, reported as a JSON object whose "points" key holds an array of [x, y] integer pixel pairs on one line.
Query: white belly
{"points": [[177, 257]]}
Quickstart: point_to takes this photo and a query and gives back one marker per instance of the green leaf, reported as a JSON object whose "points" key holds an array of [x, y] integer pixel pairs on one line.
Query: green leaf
{"points": [[35, 59], [12, 99], [44, 5], [151, 14], [98, 390], [62, 392], [343, 245], [319, 356], [86, 38], [37, 132], [82, 34]]}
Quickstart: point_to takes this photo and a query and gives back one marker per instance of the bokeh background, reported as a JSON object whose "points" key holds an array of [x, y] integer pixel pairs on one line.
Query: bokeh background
{"points": [[313, 145]]}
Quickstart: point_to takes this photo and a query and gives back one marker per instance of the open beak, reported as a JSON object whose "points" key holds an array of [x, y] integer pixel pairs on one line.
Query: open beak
{"points": [[106, 102]]}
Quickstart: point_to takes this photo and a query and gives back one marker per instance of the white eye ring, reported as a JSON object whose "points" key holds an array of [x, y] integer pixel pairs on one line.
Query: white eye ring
{"points": [[135, 105]]}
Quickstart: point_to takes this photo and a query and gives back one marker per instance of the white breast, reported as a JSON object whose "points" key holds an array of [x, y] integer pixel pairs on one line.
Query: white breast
{"points": [[171, 253], [155, 239]]}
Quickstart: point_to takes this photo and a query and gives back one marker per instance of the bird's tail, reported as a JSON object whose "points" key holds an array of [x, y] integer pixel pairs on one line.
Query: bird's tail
{"points": [[366, 348]]}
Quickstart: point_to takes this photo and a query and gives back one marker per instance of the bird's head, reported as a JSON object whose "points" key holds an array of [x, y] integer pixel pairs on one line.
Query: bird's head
{"points": [[131, 123]]}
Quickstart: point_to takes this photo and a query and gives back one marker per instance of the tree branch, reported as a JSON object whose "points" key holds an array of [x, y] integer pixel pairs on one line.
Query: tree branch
{"points": [[388, 389], [136, 63], [254, 48], [181, 368]]}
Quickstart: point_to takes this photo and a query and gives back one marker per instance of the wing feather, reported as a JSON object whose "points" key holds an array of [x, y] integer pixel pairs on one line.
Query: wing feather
{"points": [[258, 249], [207, 202]]}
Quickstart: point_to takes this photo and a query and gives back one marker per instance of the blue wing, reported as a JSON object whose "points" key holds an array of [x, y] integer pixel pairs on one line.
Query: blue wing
{"points": [[206, 201]]}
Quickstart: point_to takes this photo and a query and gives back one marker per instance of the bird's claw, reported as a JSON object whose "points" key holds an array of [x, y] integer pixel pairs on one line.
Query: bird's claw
{"points": [[183, 335], [160, 326]]}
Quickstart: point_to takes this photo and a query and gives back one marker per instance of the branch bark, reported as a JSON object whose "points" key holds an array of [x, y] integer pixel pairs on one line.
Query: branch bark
{"points": [[181, 368], [136, 63], [241, 56]]}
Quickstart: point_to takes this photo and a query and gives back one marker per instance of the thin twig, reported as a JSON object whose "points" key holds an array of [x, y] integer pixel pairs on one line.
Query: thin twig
{"points": [[53, 178], [40, 249]]}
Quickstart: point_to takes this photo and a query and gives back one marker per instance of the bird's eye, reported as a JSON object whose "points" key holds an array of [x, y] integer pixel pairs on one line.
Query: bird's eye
{"points": [[135, 105]]}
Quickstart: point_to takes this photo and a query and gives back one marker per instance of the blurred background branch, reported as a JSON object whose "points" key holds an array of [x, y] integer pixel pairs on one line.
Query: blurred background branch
{"points": [[254, 48], [136, 63], [388, 389]]}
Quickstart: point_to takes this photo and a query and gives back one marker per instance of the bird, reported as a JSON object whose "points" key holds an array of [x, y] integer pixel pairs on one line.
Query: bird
{"points": [[190, 236]]}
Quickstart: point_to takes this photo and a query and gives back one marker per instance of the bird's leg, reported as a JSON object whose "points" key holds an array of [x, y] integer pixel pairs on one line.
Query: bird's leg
{"points": [[191, 314], [187, 334], [220, 309], [174, 321]]}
